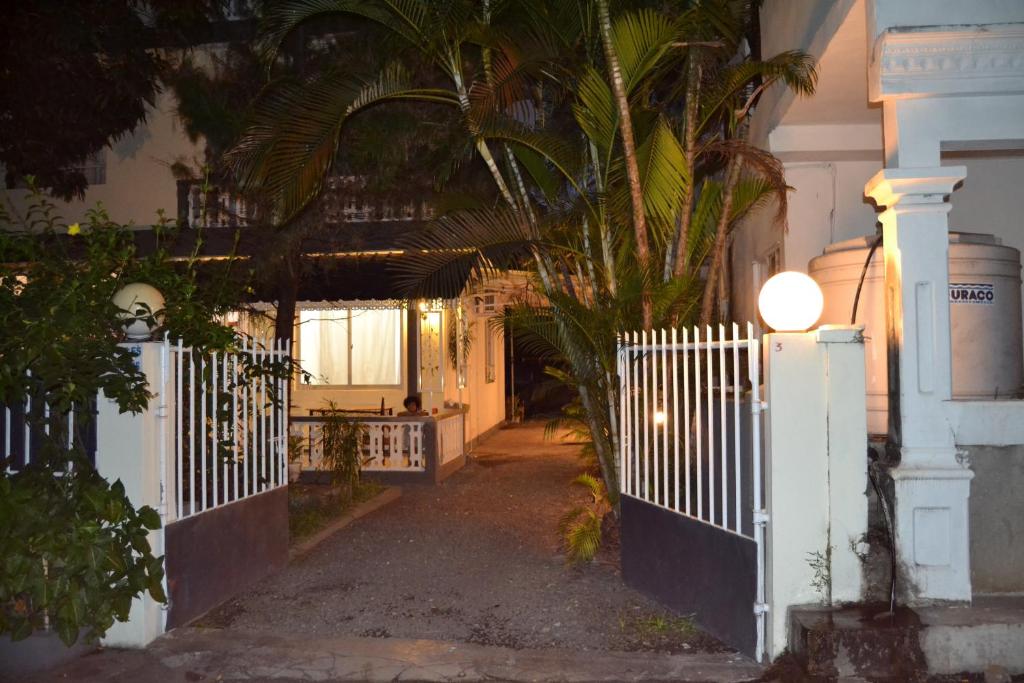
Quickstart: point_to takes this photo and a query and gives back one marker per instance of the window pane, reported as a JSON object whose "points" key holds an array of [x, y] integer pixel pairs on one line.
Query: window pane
{"points": [[376, 346], [323, 345]]}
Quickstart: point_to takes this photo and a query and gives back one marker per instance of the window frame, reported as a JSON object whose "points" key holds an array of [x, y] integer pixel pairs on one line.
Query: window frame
{"points": [[348, 331]]}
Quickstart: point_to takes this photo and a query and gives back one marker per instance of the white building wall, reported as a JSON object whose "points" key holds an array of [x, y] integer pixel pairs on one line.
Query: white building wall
{"points": [[826, 205], [486, 400], [139, 181]]}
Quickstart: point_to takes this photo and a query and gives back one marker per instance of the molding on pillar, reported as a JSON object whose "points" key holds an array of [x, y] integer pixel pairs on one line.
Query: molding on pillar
{"points": [[892, 186], [958, 60]]}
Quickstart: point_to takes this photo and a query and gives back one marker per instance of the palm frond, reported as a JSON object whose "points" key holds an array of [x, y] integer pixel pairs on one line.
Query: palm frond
{"points": [[464, 246], [642, 38]]}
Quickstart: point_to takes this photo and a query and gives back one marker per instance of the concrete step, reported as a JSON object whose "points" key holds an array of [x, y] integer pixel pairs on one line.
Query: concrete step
{"points": [[870, 642]]}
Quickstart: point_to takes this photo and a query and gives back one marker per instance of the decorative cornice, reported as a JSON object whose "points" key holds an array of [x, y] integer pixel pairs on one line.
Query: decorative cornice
{"points": [[892, 186], [955, 60]]}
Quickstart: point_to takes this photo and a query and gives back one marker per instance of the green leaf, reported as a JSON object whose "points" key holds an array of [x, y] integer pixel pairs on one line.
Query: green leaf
{"points": [[68, 631], [22, 628], [149, 517]]}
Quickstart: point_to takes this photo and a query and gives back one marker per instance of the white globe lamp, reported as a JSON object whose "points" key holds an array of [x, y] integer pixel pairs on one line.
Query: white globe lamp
{"points": [[141, 306], [790, 302]]}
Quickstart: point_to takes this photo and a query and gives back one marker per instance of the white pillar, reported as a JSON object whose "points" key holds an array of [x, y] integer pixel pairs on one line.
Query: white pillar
{"points": [[815, 471], [931, 484], [128, 448]]}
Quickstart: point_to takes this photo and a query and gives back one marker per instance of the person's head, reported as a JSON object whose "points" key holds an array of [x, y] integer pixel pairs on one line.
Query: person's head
{"points": [[412, 403]]}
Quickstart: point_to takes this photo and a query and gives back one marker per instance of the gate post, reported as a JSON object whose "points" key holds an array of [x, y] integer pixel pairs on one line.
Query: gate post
{"points": [[815, 471], [133, 448]]}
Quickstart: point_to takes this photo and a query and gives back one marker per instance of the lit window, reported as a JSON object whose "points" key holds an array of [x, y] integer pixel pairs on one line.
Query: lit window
{"points": [[351, 346], [489, 352]]}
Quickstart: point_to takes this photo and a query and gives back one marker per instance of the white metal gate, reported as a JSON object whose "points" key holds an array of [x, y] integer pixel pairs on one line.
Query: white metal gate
{"points": [[690, 444], [228, 422]]}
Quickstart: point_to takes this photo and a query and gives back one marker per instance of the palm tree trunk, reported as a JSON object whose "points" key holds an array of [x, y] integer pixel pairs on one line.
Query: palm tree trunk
{"points": [[605, 456], [676, 263], [732, 176], [602, 224], [287, 297], [643, 251]]}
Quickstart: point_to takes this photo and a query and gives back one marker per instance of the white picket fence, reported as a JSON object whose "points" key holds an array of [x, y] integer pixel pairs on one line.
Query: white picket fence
{"points": [[229, 426], [689, 429]]}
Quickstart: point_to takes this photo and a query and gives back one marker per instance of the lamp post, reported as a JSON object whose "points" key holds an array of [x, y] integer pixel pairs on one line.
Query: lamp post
{"points": [[141, 310]]}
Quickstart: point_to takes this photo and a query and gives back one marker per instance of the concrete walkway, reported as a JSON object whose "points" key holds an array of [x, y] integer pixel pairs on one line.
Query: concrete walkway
{"points": [[190, 655]]}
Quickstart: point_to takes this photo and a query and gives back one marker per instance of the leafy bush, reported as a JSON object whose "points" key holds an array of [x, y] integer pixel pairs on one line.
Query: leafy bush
{"points": [[74, 552], [73, 549]]}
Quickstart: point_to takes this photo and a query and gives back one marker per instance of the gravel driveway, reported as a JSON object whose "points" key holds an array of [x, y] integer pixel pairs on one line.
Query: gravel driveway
{"points": [[475, 559]]}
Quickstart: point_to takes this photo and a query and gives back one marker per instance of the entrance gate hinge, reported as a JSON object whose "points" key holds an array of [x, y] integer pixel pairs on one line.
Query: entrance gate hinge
{"points": [[761, 608], [761, 517]]}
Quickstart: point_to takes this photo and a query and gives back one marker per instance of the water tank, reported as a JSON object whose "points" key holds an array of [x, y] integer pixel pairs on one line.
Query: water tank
{"points": [[984, 308]]}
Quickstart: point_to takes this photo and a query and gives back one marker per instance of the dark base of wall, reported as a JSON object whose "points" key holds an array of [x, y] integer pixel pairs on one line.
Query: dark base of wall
{"points": [[449, 468], [217, 554], [692, 568], [38, 652], [479, 438]]}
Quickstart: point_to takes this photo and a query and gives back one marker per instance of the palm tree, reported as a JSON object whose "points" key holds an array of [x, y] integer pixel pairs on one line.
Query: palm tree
{"points": [[574, 113]]}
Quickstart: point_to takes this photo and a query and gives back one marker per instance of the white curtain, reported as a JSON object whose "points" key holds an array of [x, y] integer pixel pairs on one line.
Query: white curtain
{"points": [[323, 342], [376, 346]]}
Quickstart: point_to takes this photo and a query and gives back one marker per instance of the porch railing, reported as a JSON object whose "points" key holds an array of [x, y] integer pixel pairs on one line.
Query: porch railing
{"points": [[389, 444]]}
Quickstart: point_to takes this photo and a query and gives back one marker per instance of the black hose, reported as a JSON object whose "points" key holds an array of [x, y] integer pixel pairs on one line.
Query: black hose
{"points": [[883, 503], [863, 274]]}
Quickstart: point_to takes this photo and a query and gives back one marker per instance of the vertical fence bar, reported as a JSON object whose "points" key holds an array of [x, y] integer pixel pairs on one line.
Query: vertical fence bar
{"points": [[634, 411], [623, 434], [222, 406], [234, 424], [737, 442], [645, 481], [214, 424], [675, 417], [191, 432], [699, 424], [254, 399], [708, 337], [724, 438], [202, 427], [655, 409], [760, 518], [28, 432], [179, 429], [686, 413], [244, 419], [664, 410], [8, 438], [635, 433], [264, 444], [286, 383], [274, 445]]}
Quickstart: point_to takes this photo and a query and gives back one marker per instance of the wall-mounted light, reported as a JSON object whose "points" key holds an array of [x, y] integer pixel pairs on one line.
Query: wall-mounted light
{"points": [[790, 302], [659, 417]]}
